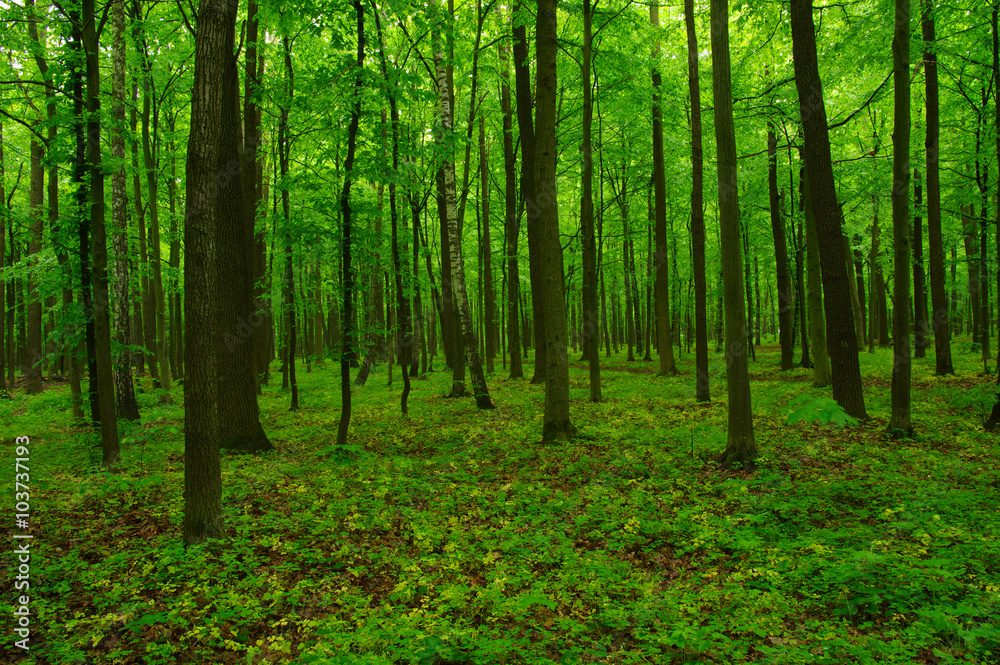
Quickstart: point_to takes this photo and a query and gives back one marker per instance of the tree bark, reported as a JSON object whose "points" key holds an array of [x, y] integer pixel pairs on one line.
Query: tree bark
{"points": [[487, 268], [202, 466], [31, 371], [467, 329], [511, 225], [785, 296], [741, 446], [702, 381], [900, 424], [550, 298], [921, 329], [841, 335], [124, 387]]}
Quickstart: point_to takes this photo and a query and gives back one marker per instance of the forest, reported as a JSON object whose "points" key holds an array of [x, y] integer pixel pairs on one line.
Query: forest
{"points": [[480, 331]]}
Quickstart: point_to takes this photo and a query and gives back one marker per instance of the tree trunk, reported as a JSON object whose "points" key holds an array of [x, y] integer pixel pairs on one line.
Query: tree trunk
{"points": [[467, 329], [921, 329], [899, 419], [785, 297], [702, 381], [202, 465], [487, 268], [841, 335], [239, 415], [31, 371], [550, 298], [288, 280], [346, 213], [664, 341], [526, 129], [741, 447], [124, 388], [511, 225], [102, 321]]}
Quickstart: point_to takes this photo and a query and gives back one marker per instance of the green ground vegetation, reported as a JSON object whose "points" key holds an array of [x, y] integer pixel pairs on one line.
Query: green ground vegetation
{"points": [[455, 536]]}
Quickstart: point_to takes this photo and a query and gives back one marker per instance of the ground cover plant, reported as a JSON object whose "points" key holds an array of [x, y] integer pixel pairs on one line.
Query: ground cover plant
{"points": [[456, 536]]}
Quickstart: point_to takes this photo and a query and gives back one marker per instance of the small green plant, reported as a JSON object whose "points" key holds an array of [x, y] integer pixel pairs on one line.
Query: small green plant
{"points": [[824, 410]]}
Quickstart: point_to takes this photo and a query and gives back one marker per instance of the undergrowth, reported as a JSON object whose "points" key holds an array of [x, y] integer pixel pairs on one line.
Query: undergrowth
{"points": [[455, 536]]}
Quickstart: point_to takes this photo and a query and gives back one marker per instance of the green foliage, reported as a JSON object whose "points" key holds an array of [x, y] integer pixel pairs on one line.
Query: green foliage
{"points": [[454, 536], [823, 410]]}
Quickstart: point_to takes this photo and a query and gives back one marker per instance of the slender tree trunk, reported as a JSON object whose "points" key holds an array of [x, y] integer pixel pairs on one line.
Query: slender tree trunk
{"points": [[487, 269], [124, 389], [664, 341], [467, 328], [346, 239], [98, 233], [4, 213], [510, 221], [550, 298], [288, 283], [741, 446], [841, 335], [702, 382], [899, 419], [526, 128], [31, 371], [785, 296], [921, 329]]}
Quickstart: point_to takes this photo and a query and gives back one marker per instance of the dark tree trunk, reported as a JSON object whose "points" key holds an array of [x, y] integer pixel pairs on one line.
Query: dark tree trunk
{"points": [[550, 298], [702, 383], [288, 283], [841, 334], [526, 129], [31, 371], [785, 296], [487, 269], [921, 329], [899, 420], [741, 446], [202, 465], [346, 213], [510, 222]]}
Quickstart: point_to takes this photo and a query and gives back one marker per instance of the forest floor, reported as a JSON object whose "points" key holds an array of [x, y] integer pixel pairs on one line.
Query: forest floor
{"points": [[455, 536]]}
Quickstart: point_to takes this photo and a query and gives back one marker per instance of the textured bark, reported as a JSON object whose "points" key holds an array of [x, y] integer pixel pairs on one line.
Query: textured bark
{"points": [[526, 130], [550, 299], [590, 322], [702, 382], [741, 447], [288, 283], [31, 370], [145, 321], [98, 234], [841, 335], [202, 466], [664, 340], [489, 315], [124, 387], [899, 419], [239, 414], [785, 296], [511, 225], [921, 328], [346, 239], [466, 327], [161, 377]]}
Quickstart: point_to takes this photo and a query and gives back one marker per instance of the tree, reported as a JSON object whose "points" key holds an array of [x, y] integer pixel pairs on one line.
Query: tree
{"points": [[214, 43], [702, 392], [899, 421], [510, 221], [346, 216], [664, 340], [590, 322], [466, 327], [935, 243], [817, 319], [784, 278], [556, 421], [741, 446], [841, 335]]}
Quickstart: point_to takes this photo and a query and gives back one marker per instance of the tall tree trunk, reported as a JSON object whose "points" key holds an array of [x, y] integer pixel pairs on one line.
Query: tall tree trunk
{"points": [[899, 419], [4, 212], [124, 388], [556, 422], [487, 269], [785, 297], [526, 129], [940, 318], [202, 465], [590, 320], [346, 239], [702, 382], [511, 225], [31, 371], [994, 418], [921, 329], [741, 446], [102, 320], [239, 414], [664, 341], [467, 329], [288, 283], [841, 335]]}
